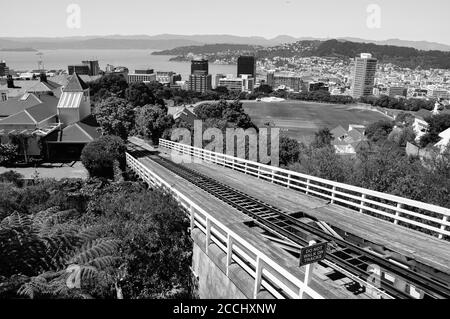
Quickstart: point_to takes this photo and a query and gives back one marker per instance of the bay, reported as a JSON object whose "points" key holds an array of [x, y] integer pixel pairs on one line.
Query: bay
{"points": [[132, 59]]}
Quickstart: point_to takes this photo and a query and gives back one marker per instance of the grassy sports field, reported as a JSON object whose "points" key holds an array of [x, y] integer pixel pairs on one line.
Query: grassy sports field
{"points": [[300, 120]]}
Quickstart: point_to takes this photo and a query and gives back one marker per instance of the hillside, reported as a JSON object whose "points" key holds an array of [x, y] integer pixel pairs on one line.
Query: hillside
{"points": [[401, 56]]}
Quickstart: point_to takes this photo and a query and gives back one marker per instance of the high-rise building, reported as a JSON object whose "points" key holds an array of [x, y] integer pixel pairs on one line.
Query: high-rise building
{"points": [[90, 68], [94, 68], [200, 80], [246, 65], [80, 69], [4, 70], [363, 75], [200, 66]]}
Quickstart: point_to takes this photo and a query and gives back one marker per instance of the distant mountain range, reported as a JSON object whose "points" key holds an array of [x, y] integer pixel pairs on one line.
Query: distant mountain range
{"points": [[170, 41]]}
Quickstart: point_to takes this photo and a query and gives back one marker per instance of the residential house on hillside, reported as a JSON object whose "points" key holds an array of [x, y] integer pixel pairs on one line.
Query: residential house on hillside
{"points": [[346, 142], [47, 127], [28, 127], [17, 88], [444, 143], [185, 115], [17, 104]]}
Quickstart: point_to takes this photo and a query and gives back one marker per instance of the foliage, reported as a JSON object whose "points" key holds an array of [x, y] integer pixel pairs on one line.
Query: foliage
{"points": [[322, 138], [379, 131], [436, 125], [115, 116], [8, 153], [49, 257], [11, 177], [126, 242], [139, 94], [152, 121], [99, 156], [230, 112], [154, 240], [289, 150], [108, 86], [411, 104], [264, 88]]}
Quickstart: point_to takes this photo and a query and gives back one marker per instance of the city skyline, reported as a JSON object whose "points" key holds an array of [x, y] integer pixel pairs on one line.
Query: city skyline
{"points": [[260, 18]]}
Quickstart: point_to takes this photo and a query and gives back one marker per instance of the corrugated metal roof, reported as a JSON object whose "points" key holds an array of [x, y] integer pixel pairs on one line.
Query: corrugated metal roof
{"points": [[70, 100]]}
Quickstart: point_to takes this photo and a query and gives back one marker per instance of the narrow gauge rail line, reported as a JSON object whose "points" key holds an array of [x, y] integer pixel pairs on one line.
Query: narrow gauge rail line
{"points": [[343, 254]]}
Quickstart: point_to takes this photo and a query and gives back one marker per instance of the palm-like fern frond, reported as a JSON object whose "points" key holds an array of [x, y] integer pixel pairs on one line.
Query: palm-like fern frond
{"points": [[34, 246]]}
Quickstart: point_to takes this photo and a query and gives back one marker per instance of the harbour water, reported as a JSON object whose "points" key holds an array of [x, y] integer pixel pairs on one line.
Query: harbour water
{"points": [[132, 59]]}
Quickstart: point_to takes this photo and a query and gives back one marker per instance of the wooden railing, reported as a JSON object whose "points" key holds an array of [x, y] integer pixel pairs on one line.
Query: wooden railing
{"points": [[265, 271], [427, 218]]}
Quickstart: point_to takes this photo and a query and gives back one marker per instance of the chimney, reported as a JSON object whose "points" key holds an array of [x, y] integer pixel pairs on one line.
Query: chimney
{"points": [[43, 77], [10, 82]]}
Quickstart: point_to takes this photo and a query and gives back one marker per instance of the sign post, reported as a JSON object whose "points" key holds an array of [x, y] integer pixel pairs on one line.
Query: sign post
{"points": [[309, 256]]}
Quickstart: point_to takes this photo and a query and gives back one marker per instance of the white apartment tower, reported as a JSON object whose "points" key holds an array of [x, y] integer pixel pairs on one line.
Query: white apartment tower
{"points": [[363, 75]]}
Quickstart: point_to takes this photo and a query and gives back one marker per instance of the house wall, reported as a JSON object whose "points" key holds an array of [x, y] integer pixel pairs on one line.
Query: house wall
{"points": [[85, 106], [68, 115]]}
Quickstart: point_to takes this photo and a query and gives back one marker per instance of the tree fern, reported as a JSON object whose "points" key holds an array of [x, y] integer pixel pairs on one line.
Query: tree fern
{"points": [[47, 250]]}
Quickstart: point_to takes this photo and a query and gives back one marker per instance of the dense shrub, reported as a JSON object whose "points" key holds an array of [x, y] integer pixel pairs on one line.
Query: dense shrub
{"points": [[100, 156]]}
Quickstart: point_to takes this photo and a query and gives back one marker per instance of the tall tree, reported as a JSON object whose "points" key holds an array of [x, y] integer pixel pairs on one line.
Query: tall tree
{"points": [[115, 116], [152, 121]]}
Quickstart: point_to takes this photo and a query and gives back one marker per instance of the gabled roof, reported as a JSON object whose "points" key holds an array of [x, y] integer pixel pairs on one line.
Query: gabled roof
{"points": [[17, 104], [445, 133], [338, 132], [44, 87], [35, 113], [23, 118], [42, 111], [355, 136], [75, 84], [84, 131]]}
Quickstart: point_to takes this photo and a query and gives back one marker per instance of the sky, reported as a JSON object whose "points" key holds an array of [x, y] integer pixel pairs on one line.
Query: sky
{"points": [[402, 19]]}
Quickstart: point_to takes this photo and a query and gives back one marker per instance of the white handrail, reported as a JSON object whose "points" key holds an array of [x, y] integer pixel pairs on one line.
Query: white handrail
{"points": [[266, 272], [421, 216]]}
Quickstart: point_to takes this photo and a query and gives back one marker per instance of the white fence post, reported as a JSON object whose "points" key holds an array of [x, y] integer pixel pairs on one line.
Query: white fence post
{"points": [[258, 277], [333, 194], [363, 202], [208, 233], [229, 252], [445, 219], [397, 213], [307, 186]]}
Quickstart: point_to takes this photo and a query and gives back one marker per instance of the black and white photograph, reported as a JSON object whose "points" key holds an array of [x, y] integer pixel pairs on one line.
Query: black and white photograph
{"points": [[224, 158]]}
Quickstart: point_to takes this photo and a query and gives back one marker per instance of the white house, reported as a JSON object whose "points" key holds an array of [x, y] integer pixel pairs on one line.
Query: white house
{"points": [[445, 140], [420, 127]]}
